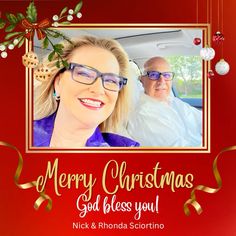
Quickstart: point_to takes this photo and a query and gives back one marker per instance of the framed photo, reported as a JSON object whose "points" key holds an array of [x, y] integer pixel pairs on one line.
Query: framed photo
{"points": [[190, 85], [164, 164]]}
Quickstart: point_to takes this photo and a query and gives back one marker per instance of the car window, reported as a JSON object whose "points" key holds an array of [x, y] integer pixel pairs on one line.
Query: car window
{"points": [[187, 83], [188, 75]]}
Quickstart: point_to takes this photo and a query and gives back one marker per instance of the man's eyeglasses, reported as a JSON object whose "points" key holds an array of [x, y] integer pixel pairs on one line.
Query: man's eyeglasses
{"points": [[88, 75], [155, 75]]}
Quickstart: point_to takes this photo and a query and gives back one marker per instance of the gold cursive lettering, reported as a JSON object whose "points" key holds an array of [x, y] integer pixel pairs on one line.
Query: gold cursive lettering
{"points": [[115, 177], [65, 180]]}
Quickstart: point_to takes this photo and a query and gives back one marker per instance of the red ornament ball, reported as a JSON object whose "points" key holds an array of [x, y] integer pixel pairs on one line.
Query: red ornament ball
{"points": [[218, 37], [210, 74], [197, 41]]}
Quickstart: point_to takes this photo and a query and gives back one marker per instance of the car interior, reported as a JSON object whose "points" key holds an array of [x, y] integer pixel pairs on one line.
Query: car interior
{"points": [[174, 43]]}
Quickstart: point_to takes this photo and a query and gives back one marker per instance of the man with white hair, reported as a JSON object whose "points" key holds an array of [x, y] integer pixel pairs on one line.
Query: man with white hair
{"points": [[160, 119]]}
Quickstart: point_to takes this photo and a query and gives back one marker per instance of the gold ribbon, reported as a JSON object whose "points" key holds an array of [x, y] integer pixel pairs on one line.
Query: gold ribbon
{"points": [[192, 201], [41, 199], [31, 184]]}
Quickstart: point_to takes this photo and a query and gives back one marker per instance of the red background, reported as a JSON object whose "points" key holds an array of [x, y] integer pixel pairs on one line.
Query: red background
{"points": [[17, 215]]}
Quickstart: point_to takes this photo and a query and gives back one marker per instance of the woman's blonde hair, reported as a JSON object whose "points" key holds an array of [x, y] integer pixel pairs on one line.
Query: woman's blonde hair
{"points": [[44, 102]]}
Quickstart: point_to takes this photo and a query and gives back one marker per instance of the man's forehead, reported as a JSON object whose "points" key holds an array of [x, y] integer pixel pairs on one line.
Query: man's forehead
{"points": [[157, 65]]}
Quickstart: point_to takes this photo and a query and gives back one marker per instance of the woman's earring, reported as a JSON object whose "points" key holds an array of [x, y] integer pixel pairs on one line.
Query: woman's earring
{"points": [[57, 97]]}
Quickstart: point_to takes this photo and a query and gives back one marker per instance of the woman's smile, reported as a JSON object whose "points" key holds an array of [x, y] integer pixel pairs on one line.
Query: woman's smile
{"points": [[92, 103]]}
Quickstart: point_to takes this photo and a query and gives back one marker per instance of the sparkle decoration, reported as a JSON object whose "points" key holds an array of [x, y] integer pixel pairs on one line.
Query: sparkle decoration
{"points": [[222, 67], [207, 53], [218, 37], [19, 28], [42, 73], [197, 41], [210, 74]]}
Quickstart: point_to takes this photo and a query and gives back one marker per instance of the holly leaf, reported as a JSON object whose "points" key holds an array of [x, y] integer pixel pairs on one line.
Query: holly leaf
{"points": [[8, 36], [20, 16], [31, 13], [63, 11], [51, 55], [56, 35], [53, 34], [58, 48], [10, 28], [58, 64], [45, 42], [11, 18], [21, 41], [65, 22], [2, 23], [58, 51], [78, 7], [65, 63], [64, 37], [6, 43]]}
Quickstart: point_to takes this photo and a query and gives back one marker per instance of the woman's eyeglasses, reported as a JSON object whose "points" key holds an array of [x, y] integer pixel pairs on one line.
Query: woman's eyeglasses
{"points": [[88, 75], [155, 75]]}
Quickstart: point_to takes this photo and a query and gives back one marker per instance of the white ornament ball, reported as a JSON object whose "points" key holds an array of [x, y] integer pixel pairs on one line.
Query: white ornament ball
{"points": [[207, 53], [2, 47], [71, 12], [4, 54], [70, 18], [30, 60], [55, 17], [15, 41], [79, 15], [55, 24], [222, 67], [11, 46]]}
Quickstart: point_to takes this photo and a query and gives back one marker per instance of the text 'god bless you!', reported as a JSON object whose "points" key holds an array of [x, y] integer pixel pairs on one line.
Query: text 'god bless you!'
{"points": [[116, 175]]}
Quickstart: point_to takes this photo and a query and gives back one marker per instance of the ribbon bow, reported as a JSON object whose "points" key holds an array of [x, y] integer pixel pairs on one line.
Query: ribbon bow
{"points": [[38, 27]]}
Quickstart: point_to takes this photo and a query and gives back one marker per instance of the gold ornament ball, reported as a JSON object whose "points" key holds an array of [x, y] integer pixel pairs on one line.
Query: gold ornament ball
{"points": [[30, 60], [42, 73]]}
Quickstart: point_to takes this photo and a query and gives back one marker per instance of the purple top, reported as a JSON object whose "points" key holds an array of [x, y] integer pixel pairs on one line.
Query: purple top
{"points": [[43, 132]]}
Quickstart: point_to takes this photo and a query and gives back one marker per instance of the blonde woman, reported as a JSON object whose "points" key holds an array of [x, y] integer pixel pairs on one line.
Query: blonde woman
{"points": [[79, 105]]}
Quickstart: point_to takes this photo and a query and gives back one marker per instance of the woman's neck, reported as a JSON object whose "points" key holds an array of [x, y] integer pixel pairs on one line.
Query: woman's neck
{"points": [[69, 134]]}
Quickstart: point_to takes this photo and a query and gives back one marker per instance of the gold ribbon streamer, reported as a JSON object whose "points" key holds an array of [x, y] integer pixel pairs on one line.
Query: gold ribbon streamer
{"points": [[31, 184], [41, 199], [192, 201]]}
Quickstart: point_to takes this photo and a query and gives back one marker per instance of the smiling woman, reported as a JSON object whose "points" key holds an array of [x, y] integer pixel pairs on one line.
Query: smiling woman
{"points": [[77, 102]]}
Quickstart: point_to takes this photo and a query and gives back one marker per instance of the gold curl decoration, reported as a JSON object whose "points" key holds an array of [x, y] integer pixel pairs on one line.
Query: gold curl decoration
{"points": [[192, 201], [28, 185]]}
